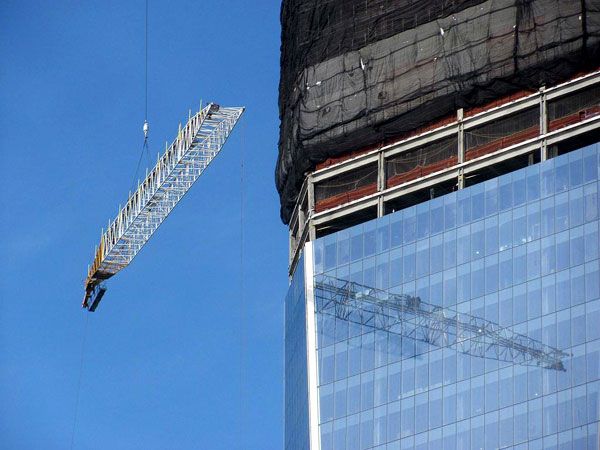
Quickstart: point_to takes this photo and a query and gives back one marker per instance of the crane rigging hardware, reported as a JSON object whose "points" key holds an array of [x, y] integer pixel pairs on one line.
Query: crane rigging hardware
{"points": [[413, 318], [196, 145]]}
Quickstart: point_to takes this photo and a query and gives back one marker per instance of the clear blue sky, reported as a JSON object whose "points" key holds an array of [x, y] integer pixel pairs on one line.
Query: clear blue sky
{"points": [[175, 357]]}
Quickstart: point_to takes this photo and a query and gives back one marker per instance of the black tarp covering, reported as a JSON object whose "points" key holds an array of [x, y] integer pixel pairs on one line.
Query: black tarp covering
{"points": [[356, 73]]}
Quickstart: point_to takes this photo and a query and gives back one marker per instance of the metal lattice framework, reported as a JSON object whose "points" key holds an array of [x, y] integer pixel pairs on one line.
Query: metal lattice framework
{"points": [[441, 327], [196, 145]]}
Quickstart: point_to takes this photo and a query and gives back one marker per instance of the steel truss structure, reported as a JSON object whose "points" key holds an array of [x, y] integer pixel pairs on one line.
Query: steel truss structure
{"points": [[413, 318], [196, 145]]}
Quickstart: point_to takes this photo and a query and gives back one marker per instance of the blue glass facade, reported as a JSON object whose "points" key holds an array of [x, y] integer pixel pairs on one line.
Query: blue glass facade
{"points": [[520, 251], [296, 376]]}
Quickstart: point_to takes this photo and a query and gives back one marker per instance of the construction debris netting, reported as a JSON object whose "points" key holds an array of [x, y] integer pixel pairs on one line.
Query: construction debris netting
{"points": [[357, 74]]}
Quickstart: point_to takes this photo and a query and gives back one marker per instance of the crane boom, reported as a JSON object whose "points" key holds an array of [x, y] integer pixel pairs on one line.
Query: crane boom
{"points": [[196, 145], [443, 327]]}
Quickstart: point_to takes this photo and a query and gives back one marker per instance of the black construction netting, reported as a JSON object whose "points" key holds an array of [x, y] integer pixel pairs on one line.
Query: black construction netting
{"points": [[357, 73]]}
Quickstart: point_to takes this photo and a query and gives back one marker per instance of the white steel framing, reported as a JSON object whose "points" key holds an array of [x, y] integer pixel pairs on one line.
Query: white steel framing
{"points": [[196, 145]]}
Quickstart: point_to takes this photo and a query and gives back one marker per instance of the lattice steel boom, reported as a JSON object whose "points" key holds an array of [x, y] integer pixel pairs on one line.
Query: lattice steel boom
{"points": [[442, 327], [196, 145]]}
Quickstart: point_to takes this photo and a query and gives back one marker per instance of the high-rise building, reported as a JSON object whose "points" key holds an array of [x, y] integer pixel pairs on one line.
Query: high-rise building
{"points": [[439, 170]]}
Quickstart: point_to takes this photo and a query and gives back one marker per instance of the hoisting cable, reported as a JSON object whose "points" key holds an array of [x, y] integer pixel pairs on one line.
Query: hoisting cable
{"points": [[243, 331], [85, 327], [146, 126]]}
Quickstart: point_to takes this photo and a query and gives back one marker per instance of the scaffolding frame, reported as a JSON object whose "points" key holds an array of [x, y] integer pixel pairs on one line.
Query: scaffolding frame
{"points": [[182, 163]]}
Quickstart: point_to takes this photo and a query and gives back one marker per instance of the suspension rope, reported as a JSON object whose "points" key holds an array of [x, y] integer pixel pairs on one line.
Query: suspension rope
{"points": [[85, 328], [243, 343]]}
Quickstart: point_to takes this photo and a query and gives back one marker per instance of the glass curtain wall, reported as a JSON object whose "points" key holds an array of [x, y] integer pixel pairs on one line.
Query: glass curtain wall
{"points": [[519, 252]]}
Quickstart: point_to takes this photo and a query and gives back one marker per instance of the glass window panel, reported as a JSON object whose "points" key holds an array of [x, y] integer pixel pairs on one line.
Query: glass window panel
{"points": [[579, 406], [354, 352], [340, 397], [449, 291], [491, 391], [477, 201], [505, 230], [590, 164], [592, 280], [491, 196], [547, 216], [422, 220], [533, 182], [534, 227], [396, 267], [519, 187], [591, 241], [409, 264], [548, 255], [463, 400], [519, 226], [576, 207], [547, 178], [561, 212], [505, 269], [477, 432], [535, 418], [450, 211], [534, 299], [408, 377], [550, 414], [339, 434], [563, 253], [477, 240], [505, 387], [370, 238], [421, 412], [394, 382], [407, 416], [520, 383], [520, 423], [506, 427], [463, 283], [561, 173], [366, 430], [436, 247], [534, 259], [590, 202], [491, 430], [410, 224], [577, 285], [477, 396], [565, 419], [491, 235], [506, 307], [519, 264], [327, 436], [341, 359], [593, 319], [330, 249], [437, 215], [422, 268], [563, 290], [396, 230], [477, 278], [354, 392], [463, 248], [575, 169], [368, 351], [463, 206], [435, 408], [383, 234], [326, 402], [381, 386], [380, 425], [593, 402], [449, 249], [393, 421], [366, 390], [505, 190]]}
